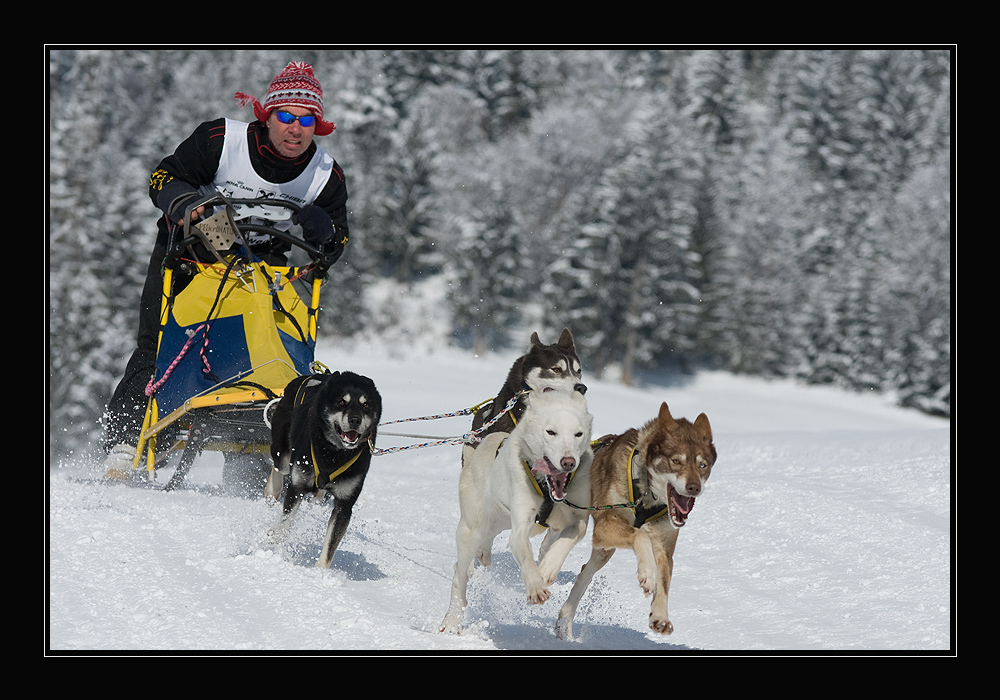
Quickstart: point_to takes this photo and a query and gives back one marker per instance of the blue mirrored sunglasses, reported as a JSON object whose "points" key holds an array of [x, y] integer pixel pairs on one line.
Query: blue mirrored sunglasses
{"points": [[286, 118]]}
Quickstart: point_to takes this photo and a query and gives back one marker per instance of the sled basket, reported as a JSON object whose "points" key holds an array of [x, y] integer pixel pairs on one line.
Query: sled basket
{"points": [[230, 340]]}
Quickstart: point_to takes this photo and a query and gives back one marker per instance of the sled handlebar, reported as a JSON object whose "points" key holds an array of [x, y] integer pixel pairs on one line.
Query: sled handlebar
{"points": [[322, 259]]}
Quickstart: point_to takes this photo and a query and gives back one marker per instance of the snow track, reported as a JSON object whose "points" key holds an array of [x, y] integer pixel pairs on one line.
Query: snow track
{"points": [[826, 527]]}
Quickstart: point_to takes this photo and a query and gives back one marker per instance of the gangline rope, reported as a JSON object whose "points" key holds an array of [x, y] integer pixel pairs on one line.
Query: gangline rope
{"points": [[467, 438]]}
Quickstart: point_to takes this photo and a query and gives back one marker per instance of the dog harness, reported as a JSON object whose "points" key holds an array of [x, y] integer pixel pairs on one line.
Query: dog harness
{"points": [[334, 475], [299, 398], [545, 510], [642, 514]]}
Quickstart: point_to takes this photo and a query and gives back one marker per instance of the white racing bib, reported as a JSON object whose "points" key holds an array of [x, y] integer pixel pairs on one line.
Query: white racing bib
{"points": [[236, 179]]}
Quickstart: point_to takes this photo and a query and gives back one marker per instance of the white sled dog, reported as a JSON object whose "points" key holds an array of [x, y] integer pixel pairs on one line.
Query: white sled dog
{"points": [[661, 468], [519, 481]]}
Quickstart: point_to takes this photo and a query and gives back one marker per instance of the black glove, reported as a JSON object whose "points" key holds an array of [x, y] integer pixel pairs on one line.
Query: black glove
{"points": [[317, 226], [174, 199]]}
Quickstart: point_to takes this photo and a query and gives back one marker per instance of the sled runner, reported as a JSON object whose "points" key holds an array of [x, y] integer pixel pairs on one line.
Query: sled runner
{"points": [[231, 338]]}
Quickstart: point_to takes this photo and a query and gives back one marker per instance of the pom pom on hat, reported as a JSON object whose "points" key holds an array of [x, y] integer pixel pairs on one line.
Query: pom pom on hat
{"points": [[295, 86]]}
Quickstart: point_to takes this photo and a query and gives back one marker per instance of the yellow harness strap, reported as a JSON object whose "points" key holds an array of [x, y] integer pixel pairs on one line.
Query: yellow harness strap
{"points": [[531, 477], [475, 409], [628, 475], [312, 453], [527, 469]]}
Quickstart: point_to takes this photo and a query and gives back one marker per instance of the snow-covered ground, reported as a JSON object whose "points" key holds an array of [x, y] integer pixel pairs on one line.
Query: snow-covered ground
{"points": [[826, 527]]}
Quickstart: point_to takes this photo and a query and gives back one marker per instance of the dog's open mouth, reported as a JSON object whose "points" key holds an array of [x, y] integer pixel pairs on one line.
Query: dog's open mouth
{"points": [[556, 478], [679, 507], [350, 438]]}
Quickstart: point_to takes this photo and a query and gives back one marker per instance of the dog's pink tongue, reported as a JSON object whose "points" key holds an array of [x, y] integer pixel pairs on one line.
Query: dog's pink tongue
{"points": [[684, 503], [558, 480], [544, 466]]}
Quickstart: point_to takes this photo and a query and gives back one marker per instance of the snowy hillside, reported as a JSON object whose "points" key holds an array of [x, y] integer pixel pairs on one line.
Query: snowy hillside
{"points": [[826, 527]]}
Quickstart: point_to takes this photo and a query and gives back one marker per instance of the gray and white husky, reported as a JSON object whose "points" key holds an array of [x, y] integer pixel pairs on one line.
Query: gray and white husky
{"points": [[556, 366]]}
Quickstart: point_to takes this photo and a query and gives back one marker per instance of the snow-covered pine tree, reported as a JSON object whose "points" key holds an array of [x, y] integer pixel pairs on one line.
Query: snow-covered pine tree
{"points": [[487, 287], [627, 285]]}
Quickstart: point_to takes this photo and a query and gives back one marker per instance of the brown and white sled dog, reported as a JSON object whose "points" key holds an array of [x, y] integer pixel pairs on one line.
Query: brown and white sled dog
{"points": [[322, 433], [661, 468], [556, 366], [519, 482]]}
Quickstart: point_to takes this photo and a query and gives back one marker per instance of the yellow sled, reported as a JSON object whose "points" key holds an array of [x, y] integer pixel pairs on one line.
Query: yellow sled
{"points": [[230, 340]]}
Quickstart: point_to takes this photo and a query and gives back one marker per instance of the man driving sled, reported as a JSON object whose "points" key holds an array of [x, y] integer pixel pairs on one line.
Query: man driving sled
{"points": [[274, 156]]}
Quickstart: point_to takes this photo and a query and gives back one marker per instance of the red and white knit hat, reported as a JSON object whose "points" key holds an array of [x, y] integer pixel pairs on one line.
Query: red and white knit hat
{"points": [[296, 86]]}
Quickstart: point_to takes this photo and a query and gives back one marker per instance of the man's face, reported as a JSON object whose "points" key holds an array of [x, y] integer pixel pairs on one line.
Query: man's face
{"points": [[290, 140]]}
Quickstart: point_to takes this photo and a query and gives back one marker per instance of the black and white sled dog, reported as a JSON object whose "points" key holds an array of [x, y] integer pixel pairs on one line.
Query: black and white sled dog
{"points": [[555, 366], [520, 482], [322, 433]]}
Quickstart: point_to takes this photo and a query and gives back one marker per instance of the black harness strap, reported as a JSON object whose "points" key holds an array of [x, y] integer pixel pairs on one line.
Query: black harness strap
{"points": [[643, 514], [542, 516]]}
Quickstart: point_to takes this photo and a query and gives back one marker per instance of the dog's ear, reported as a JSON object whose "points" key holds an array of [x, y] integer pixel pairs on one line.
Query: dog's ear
{"points": [[566, 340], [701, 424], [666, 420], [535, 342]]}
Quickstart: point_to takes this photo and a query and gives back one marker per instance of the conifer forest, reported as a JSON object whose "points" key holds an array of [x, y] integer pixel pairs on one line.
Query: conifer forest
{"points": [[772, 212]]}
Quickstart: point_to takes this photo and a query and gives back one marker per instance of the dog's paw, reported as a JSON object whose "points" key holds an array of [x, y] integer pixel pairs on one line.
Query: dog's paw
{"points": [[564, 629], [273, 487], [538, 595], [450, 625], [661, 626]]}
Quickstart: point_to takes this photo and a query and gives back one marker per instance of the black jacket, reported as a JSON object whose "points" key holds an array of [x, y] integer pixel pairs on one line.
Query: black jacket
{"points": [[196, 160]]}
